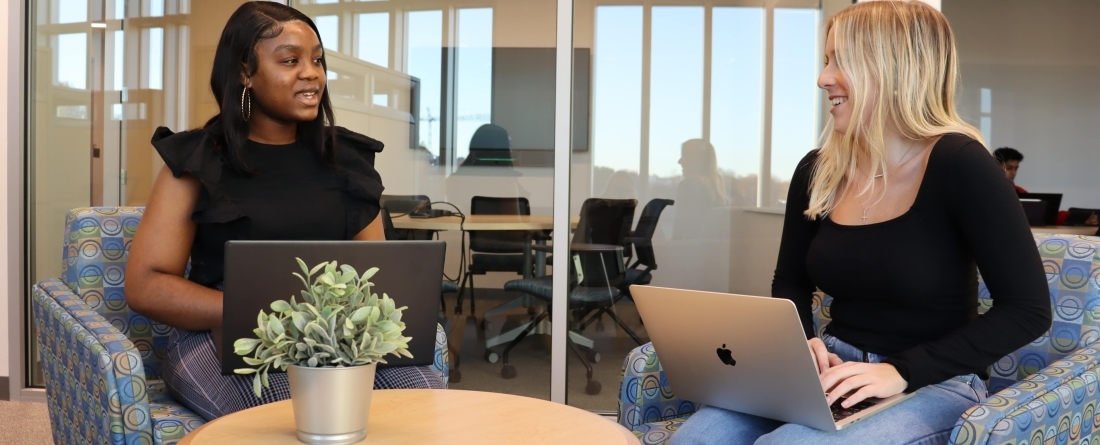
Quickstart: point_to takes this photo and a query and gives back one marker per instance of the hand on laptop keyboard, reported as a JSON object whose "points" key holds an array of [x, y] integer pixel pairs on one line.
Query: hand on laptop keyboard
{"points": [[840, 412]]}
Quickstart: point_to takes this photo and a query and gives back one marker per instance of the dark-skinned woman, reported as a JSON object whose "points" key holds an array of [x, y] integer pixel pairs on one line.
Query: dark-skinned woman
{"points": [[269, 166]]}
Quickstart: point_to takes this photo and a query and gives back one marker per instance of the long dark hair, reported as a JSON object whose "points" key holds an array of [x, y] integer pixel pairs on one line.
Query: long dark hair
{"points": [[252, 22]]}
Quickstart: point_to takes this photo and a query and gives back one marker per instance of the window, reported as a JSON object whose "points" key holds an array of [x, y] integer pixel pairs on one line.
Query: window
{"points": [[374, 38]]}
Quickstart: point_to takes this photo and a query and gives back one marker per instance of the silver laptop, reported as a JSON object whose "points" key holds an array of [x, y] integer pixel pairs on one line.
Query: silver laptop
{"points": [[742, 353], [259, 272]]}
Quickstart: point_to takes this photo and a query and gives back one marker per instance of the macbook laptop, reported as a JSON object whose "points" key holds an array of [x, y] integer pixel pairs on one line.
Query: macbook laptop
{"points": [[1054, 202], [259, 272], [742, 353]]}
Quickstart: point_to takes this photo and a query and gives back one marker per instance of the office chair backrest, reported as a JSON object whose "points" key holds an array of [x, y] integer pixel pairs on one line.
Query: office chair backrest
{"points": [[498, 241], [398, 204], [642, 237], [387, 225], [603, 221], [402, 205]]}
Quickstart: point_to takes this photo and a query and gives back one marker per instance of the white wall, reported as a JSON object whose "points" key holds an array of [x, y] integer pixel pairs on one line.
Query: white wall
{"points": [[1041, 64]]}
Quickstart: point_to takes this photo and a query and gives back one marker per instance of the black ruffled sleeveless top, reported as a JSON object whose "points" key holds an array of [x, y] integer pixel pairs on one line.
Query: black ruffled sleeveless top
{"points": [[293, 196]]}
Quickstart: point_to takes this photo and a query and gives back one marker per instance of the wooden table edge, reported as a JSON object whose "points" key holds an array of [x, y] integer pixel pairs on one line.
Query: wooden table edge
{"points": [[630, 438], [190, 437]]}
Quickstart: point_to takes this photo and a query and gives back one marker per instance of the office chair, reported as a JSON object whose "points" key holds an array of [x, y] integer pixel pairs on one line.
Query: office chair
{"points": [[402, 205], [641, 239], [494, 250], [595, 269]]}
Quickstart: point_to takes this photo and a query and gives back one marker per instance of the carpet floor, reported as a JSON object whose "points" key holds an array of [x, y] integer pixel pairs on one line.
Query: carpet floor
{"points": [[531, 357], [24, 423]]}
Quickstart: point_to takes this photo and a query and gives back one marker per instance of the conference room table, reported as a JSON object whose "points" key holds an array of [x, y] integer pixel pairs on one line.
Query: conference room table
{"points": [[1064, 230], [532, 223]]}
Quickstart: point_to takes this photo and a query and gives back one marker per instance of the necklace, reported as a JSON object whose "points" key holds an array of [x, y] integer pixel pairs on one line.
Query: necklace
{"points": [[901, 162]]}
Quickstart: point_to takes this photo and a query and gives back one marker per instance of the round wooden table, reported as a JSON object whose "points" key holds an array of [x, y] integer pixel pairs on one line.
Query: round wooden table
{"points": [[428, 416]]}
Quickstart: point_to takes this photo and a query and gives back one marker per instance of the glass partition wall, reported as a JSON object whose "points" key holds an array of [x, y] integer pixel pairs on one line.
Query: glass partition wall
{"points": [[462, 94], [707, 104], [699, 112], [103, 75]]}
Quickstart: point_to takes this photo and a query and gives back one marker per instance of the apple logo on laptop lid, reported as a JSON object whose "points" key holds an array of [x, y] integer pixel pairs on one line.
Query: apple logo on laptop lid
{"points": [[726, 356]]}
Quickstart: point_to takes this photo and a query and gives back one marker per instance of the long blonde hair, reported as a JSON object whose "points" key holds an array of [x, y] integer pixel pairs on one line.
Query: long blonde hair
{"points": [[903, 54]]}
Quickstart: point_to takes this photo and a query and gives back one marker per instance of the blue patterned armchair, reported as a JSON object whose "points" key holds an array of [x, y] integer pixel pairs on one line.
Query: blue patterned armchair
{"points": [[101, 361], [1044, 393]]}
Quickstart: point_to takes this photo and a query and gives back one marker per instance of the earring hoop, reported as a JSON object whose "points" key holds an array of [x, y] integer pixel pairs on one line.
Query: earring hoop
{"points": [[246, 104]]}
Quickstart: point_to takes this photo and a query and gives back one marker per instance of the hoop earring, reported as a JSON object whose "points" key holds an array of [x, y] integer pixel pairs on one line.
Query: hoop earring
{"points": [[246, 104]]}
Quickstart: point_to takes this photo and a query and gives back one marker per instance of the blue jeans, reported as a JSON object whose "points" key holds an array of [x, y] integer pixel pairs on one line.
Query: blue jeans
{"points": [[925, 418]]}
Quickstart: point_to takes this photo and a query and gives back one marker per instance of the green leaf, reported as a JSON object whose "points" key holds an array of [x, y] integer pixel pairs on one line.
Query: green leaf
{"points": [[368, 274], [312, 362], [299, 319], [275, 327], [360, 314], [387, 305], [244, 371], [245, 346], [253, 361], [317, 268], [256, 386], [280, 306]]}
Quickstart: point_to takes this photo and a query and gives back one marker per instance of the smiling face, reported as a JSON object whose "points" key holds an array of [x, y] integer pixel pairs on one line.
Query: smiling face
{"points": [[289, 77], [834, 83]]}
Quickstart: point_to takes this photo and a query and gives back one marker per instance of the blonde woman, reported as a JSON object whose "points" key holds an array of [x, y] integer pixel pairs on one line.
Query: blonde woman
{"points": [[893, 216]]}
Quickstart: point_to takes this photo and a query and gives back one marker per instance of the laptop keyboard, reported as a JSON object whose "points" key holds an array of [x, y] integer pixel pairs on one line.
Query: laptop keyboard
{"points": [[840, 412]]}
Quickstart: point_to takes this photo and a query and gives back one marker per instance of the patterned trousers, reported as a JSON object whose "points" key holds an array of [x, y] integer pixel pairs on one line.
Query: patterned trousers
{"points": [[192, 374]]}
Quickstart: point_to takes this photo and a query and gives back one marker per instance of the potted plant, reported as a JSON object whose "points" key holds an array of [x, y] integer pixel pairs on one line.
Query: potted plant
{"points": [[329, 343]]}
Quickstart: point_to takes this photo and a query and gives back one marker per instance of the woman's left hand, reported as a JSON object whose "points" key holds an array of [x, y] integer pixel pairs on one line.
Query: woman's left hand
{"points": [[879, 380]]}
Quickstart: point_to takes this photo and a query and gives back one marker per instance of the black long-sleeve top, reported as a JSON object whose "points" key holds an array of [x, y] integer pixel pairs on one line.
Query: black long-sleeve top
{"points": [[907, 288]]}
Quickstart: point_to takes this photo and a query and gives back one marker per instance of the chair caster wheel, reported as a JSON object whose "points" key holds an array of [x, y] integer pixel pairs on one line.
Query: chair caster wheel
{"points": [[593, 356], [508, 372], [484, 325], [592, 388], [492, 357], [456, 376]]}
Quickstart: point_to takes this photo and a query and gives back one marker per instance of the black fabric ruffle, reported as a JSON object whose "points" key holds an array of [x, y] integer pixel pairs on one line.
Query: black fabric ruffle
{"points": [[193, 152], [360, 182]]}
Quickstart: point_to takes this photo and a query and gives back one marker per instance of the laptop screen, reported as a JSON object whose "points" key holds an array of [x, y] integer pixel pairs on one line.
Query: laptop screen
{"points": [[1053, 203]]}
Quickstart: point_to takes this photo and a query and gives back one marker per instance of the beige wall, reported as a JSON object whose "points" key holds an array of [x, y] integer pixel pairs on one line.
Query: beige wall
{"points": [[8, 183]]}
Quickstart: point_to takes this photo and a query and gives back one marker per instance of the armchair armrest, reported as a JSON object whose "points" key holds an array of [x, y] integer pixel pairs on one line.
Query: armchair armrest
{"points": [[1047, 407], [95, 380], [441, 362], [644, 394]]}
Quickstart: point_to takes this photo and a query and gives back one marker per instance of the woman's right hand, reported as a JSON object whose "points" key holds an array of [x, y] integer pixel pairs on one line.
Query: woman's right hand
{"points": [[822, 357]]}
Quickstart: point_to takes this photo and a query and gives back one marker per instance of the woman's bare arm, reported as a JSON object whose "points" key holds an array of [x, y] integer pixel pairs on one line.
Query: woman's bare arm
{"points": [[155, 286], [372, 232]]}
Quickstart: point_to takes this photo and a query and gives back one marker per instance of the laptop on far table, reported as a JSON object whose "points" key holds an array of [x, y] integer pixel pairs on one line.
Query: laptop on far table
{"points": [[1053, 201], [742, 353], [260, 272], [1035, 210]]}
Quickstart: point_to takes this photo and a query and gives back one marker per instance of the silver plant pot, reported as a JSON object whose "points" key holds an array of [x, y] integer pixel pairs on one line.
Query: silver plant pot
{"points": [[331, 405]]}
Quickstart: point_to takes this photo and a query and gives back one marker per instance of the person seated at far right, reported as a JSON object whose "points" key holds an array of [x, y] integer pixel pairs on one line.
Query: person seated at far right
{"points": [[1010, 160], [893, 216]]}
